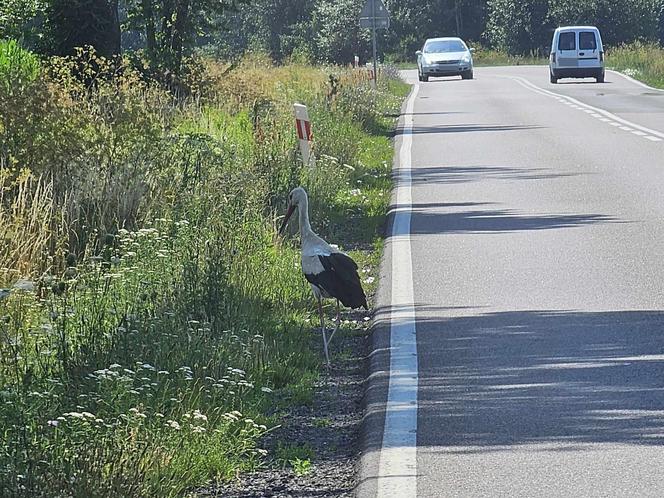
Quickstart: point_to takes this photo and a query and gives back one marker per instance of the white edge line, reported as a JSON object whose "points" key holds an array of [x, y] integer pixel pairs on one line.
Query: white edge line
{"points": [[608, 114], [635, 81], [397, 470]]}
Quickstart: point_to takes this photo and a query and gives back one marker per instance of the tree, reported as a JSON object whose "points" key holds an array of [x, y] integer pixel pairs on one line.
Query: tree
{"points": [[23, 20], [619, 23], [171, 27], [78, 23], [413, 21], [519, 27], [336, 28]]}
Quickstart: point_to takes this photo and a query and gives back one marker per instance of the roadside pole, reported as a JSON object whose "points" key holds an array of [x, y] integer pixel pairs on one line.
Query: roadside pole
{"points": [[374, 16], [374, 81], [304, 134]]}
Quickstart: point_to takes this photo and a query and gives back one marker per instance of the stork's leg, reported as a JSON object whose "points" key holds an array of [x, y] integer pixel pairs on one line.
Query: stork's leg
{"points": [[337, 323], [322, 327]]}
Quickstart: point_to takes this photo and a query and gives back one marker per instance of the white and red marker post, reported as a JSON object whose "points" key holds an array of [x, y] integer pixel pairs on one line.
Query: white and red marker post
{"points": [[303, 127]]}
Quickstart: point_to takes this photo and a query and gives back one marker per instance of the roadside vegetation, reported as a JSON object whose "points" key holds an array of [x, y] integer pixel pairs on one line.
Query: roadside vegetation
{"points": [[151, 328], [642, 61]]}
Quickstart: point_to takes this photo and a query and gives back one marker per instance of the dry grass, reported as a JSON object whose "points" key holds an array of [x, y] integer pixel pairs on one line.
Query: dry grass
{"points": [[29, 225]]}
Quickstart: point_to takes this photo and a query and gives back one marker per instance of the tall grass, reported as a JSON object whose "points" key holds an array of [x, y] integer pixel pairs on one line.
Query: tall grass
{"points": [[643, 61], [149, 324]]}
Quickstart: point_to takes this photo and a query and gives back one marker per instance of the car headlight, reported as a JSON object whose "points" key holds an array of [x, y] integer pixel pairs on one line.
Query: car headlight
{"points": [[466, 59]]}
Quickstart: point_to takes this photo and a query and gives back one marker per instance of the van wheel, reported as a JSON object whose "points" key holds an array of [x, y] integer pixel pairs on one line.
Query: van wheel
{"points": [[424, 78], [552, 78], [600, 77]]}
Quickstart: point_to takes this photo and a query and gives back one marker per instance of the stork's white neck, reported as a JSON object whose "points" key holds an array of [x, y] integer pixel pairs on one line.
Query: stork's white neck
{"points": [[303, 213]]}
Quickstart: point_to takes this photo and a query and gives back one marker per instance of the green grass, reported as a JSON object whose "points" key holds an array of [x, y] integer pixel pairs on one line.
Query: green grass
{"points": [[298, 457], [642, 61], [145, 355], [488, 57]]}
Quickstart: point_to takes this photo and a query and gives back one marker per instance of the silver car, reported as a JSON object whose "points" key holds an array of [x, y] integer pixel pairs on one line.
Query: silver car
{"points": [[445, 57]]}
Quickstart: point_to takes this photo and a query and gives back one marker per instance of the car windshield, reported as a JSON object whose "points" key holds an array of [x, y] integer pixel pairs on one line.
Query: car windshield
{"points": [[435, 47]]}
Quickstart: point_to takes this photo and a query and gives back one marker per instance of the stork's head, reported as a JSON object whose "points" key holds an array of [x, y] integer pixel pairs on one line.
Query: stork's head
{"points": [[296, 198]]}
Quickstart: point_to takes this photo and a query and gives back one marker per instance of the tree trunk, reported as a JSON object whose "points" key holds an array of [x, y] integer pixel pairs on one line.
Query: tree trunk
{"points": [[148, 18], [180, 27]]}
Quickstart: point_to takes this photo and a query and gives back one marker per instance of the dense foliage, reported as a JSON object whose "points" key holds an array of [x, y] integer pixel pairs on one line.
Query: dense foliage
{"points": [[151, 329], [521, 27], [318, 30]]}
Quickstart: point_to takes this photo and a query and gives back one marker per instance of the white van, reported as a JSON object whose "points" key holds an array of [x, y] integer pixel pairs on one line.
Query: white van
{"points": [[576, 52]]}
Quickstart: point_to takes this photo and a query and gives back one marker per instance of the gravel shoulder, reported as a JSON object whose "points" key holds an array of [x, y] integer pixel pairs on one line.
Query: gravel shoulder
{"points": [[329, 428]]}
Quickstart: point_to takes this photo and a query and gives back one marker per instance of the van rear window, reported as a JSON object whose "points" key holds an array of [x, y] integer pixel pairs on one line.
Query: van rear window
{"points": [[587, 40], [567, 41]]}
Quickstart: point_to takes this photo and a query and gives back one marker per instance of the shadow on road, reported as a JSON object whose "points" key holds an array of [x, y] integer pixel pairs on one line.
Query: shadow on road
{"points": [[465, 174], [467, 128], [495, 221], [494, 380], [543, 376]]}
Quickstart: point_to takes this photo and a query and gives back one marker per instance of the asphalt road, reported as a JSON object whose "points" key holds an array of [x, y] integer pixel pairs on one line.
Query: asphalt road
{"points": [[537, 241]]}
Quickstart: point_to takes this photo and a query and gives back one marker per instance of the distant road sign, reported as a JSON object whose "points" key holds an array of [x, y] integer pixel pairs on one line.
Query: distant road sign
{"points": [[374, 9], [381, 22]]}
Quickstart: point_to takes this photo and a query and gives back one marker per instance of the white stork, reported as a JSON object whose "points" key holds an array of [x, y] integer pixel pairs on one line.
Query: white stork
{"points": [[330, 272]]}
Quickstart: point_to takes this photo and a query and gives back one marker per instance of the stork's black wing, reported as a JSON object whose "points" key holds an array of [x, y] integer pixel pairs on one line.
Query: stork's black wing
{"points": [[340, 280]]}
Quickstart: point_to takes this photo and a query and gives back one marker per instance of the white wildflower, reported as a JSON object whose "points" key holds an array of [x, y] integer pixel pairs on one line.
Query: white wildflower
{"points": [[199, 416], [173, 425]]}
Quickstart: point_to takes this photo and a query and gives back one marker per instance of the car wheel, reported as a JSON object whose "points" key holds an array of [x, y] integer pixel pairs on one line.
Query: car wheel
{"points": [[424, 78], [600, 77], [553, 78], [467, 75]]}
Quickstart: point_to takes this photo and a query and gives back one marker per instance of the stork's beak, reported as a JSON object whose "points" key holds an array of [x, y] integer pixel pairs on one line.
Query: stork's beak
{"points": [[289, 213]]}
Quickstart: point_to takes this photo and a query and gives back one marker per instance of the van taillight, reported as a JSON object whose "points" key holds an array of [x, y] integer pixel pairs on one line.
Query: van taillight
{"points": [[553, 57], [601, 56]]}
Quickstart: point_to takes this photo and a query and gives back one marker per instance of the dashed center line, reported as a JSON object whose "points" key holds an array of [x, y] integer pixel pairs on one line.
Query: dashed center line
{"points": [[600, 114]]}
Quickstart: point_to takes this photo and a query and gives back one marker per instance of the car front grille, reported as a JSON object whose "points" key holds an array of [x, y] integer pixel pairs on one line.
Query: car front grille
{"points": [[447, 62]]}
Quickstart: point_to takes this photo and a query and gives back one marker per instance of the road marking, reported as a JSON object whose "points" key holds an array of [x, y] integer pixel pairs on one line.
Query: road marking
{"points": [[610, 118], [636, 82], [397, 471]]}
